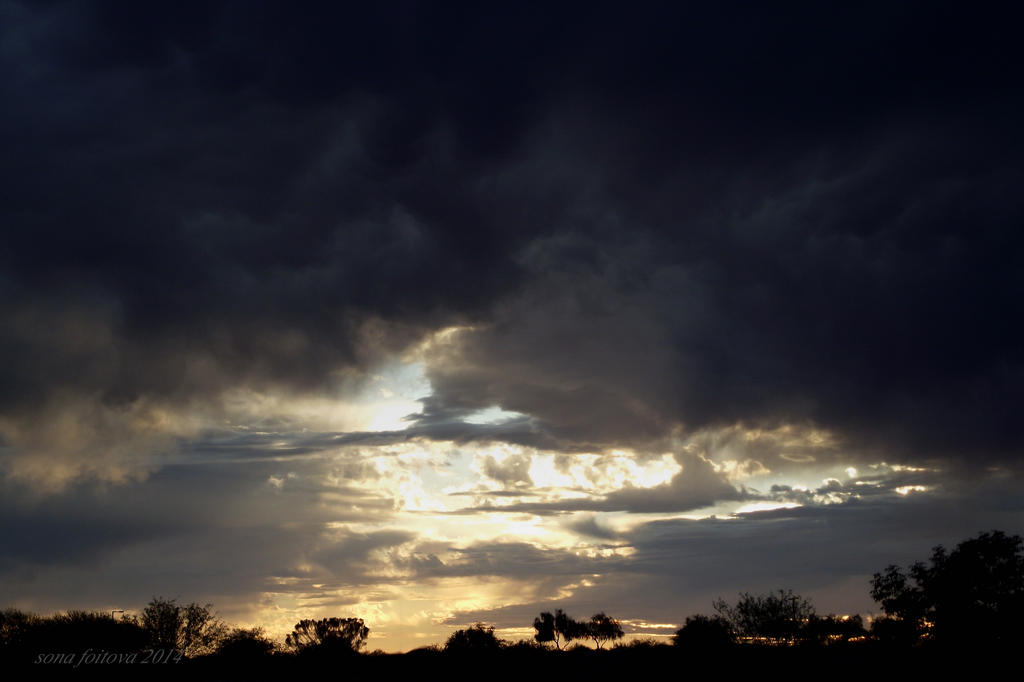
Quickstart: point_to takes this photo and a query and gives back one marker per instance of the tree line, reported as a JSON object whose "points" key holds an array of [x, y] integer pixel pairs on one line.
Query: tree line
{"points": [[971, 595]]}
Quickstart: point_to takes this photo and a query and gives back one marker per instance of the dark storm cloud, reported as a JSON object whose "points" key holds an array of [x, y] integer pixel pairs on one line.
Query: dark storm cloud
{"points": [[880, 302], [216, 229], [655, 216]]}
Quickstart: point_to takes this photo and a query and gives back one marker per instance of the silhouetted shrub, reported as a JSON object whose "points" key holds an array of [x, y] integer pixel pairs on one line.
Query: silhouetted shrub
{"points": [[642, 644], [246, 644], [476, 639], [704, 632], [526, 646]]}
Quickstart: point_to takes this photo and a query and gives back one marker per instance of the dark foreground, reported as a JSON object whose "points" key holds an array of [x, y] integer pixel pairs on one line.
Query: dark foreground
{"points": [[864, 661]]}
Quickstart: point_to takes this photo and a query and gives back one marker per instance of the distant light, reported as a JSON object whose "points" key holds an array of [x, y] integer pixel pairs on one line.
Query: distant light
{"points": [[492, 415], [766, 506]]}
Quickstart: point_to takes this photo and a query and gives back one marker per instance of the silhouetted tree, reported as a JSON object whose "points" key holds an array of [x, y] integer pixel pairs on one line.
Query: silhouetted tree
{"points": [[336, 634], [476, 639], [902, 597], [558, 628], [544, 624], [602, 629], [704, 632], [776, 616], [192, 629], [974, 593]]}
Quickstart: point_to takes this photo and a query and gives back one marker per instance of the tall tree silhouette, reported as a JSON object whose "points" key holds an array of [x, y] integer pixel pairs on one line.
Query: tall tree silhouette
{"points": [[557, 628], [602, 629], [972, 594]]}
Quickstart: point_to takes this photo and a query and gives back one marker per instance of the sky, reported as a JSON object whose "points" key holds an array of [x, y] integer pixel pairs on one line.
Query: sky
{"points": [[435, 313]]}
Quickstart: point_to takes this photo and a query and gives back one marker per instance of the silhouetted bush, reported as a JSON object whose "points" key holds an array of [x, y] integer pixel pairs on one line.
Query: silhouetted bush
{"points": [[704, 632], [642, 644], [526, 647], [476, 639], [246, 644]]}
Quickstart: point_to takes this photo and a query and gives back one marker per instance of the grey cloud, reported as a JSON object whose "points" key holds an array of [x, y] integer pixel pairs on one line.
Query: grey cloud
{"points": [[514, 470], [483, 492], [346, 555], [696, 485], [212, 531], [590, 526], [507, 559]]}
